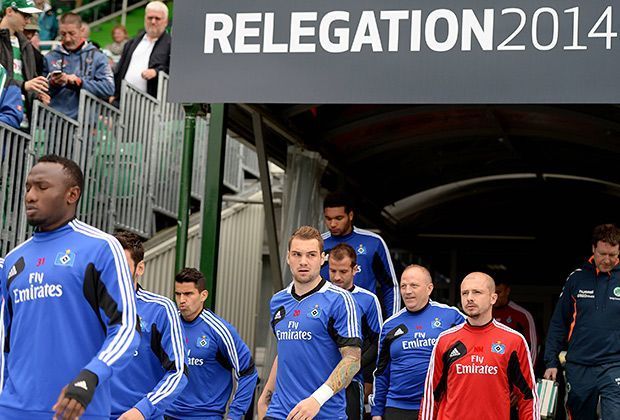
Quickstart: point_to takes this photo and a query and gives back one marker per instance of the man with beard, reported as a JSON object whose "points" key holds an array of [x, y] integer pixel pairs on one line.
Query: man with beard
{"points": [[316, 325]]}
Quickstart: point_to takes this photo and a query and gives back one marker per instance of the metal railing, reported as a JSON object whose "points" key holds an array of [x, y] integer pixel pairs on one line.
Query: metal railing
{"points": [[15, 166], [131, 158]]}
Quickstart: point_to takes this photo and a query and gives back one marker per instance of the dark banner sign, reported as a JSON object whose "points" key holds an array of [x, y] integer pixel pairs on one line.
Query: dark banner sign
{"points": [[397, 51]]}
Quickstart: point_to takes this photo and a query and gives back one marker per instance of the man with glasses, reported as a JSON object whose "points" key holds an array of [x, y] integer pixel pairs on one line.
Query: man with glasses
{"points": [[17, 53], [147, 54], [586, 322]]}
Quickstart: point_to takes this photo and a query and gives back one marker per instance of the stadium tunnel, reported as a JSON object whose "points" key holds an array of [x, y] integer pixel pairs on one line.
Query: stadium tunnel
{"points": [[510, 189]]}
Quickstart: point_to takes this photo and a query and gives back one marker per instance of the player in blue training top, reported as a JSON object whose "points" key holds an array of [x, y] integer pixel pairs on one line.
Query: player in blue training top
{"points": [[374, 265], [215, 353], [405, 347], [70, 311], [157, 374], [316, 325], [342, 267]]}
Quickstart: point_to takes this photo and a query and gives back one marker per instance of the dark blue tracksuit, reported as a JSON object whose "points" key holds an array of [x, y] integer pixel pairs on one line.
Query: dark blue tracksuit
{"points": [[587, 318]]}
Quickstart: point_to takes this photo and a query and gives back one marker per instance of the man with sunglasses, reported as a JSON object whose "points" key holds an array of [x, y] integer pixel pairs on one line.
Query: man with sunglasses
{"points": [[17, 53]]}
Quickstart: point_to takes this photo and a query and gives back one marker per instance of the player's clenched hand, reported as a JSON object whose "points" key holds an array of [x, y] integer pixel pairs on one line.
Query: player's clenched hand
{"points": [[306, 409], [67, 408], [133, 414]]}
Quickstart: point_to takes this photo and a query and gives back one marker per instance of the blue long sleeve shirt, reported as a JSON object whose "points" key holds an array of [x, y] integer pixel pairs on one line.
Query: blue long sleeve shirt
{"points": [[215, 354], [157, 373], [374, 266], [371, 321], [69, 305], [405, 346]]}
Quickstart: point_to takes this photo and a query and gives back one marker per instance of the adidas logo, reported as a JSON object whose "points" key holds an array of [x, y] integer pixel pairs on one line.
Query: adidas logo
{"points": [[81, 384], [278, 315], [398, 332], [455, 353], [13, 272]]}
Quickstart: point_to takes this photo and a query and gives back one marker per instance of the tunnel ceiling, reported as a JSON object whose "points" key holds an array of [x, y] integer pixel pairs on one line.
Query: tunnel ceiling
{"points": [[451, 176]]}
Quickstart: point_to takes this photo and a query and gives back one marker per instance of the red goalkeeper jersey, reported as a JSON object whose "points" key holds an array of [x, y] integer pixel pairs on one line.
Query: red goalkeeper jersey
{"points": [[472, 372]]}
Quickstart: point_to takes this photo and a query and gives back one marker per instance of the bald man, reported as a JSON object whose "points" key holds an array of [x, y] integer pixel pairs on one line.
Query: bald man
{"points": [[476, 365], [406, 343]]}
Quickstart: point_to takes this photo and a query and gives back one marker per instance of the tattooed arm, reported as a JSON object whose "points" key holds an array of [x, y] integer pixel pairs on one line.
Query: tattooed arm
{"points": [[345, 370], [265, 397], [339, 379]]}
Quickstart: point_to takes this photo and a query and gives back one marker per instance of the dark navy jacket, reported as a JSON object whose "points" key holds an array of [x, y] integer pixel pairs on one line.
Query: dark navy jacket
{"points": [[587, 317]]}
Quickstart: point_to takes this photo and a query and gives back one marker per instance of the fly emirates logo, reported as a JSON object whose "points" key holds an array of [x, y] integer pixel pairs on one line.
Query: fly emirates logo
{"points": [[37, 289], [293, 333], [475, 367], [419, 340]]}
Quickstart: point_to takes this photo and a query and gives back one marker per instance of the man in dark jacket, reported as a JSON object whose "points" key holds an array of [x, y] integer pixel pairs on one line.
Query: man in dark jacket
{"points": [[147, 54], [16, 52], [586, 322]]}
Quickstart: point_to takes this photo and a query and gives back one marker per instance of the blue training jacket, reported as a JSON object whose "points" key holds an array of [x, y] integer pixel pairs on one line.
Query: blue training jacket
{"points": [[374, 266], [157, 373], [215, 353], [69, 305], [405, 346], [11, 106], [371, 321], [90, 65]]}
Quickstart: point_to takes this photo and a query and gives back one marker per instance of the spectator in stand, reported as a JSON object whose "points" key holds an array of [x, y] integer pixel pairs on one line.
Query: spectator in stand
{"points": [[17, 54], [11, 104], [147, 54], [76, 64], [119, 38], [31, 31], [86, 35], [48, 22]]}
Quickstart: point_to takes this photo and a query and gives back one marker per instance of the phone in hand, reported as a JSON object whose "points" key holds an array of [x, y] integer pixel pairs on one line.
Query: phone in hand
{"points": [[54, 73]]}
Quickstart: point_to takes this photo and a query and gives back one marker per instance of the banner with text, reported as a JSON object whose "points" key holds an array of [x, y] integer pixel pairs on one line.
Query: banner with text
{"points": [[396, 51]]}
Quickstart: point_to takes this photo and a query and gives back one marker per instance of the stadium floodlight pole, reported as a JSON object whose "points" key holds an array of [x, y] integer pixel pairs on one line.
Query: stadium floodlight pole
{"points": [[212, 200], [185, 185]]}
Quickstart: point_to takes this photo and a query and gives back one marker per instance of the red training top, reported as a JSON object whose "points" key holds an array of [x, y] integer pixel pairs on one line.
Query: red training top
{"points": [[518, 318], [472, 372]]}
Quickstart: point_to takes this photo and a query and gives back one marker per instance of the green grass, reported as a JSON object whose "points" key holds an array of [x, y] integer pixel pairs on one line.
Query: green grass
{"points": [[102, 34]]}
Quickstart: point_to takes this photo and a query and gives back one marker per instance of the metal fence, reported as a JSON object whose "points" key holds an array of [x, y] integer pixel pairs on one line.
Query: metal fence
{"points": [[131, 158], [15, 165]]}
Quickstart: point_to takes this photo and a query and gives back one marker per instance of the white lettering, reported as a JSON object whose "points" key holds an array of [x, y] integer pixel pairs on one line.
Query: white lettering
{"points": [[268, 44], [212, 33], [475, 369], [341, 34], [430, 29], [367, 33], [394, 17], [298, 31], [293, 335], [471, 24], [242, 32]]}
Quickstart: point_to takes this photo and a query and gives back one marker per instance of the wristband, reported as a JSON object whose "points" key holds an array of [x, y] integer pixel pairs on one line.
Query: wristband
{"points": [[323, 394], [82, 388]]}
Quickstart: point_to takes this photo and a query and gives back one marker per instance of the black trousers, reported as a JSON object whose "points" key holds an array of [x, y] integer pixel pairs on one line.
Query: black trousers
{"points": [[355, 401], [392, 413]]}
